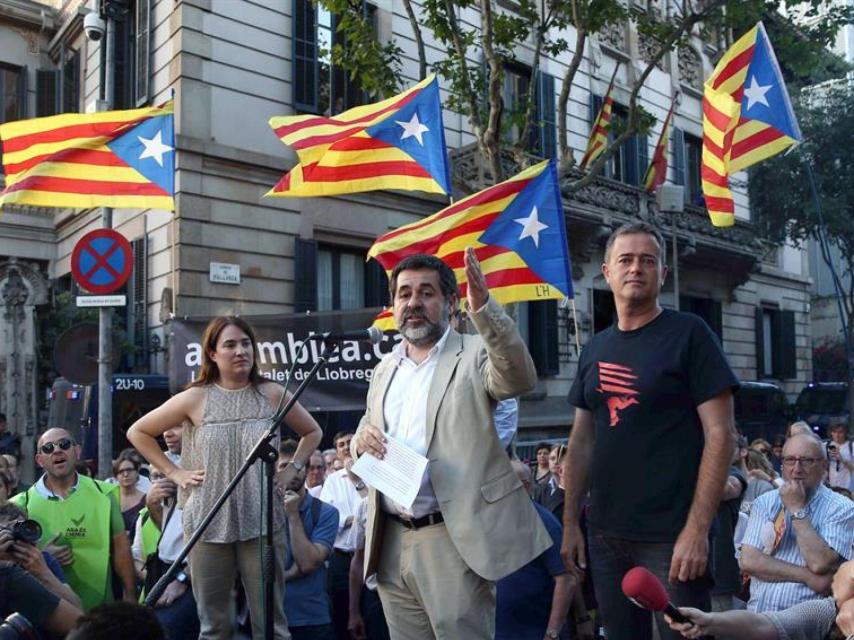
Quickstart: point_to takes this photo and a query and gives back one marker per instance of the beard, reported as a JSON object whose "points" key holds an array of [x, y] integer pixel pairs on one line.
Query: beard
{"points": [[428, 332]]}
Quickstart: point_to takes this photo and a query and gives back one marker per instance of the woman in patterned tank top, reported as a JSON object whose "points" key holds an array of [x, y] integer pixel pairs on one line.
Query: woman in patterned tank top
{"points": [[229, 407]]}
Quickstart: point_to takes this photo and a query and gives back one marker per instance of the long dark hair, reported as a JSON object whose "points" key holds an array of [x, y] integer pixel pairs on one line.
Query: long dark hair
{"points": [[209, 373]]}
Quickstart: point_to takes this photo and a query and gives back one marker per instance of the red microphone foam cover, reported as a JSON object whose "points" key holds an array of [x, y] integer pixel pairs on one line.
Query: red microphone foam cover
{"points": [[645, 589]]}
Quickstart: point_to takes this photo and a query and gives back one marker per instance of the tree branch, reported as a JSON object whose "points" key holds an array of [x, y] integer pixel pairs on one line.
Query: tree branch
{"points": [[492, 133], [683, 27], [567, 158], [419, 41], [465, 78]]}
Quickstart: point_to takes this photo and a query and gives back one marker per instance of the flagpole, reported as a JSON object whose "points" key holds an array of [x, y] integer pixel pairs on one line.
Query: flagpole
{"points": [[575, 323], [675, 262], [105, 314]]}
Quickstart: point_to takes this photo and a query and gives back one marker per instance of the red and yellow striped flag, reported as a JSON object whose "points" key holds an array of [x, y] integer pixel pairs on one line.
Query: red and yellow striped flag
{"points": [[656, 174], [398, 143], [385, 321], [747, 117], [83, 160], [598, 141], [516, 229]]}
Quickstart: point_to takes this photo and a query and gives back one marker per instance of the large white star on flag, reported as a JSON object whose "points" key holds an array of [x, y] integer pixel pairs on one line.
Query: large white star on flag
{"points": [[413, 129], [154, 148], [756, 93], [531, 227]]}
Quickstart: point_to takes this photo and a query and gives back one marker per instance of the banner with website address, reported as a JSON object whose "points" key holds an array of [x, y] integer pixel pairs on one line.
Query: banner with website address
{"points": [[341, 385]]}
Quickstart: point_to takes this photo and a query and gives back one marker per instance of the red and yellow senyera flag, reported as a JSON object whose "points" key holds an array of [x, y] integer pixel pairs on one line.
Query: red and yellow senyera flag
{"points": [[656, 174], [598, 141]]}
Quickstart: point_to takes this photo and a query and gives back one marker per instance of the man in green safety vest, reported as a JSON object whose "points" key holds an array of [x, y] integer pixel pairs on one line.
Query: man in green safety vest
{"points": [[83, 518]]}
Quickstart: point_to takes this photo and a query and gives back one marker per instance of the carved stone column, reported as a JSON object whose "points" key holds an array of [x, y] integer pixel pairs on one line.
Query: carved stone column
{"points": [[22, 287]]}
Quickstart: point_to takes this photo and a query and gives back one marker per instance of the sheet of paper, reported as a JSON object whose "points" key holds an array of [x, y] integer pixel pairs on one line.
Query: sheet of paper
{"points": [[398, 475]]}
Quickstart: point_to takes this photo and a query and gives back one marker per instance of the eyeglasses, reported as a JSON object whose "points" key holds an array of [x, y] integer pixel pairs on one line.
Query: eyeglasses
{"points": [[64, 444], [806, 463], [123, 471], [316, 467]]}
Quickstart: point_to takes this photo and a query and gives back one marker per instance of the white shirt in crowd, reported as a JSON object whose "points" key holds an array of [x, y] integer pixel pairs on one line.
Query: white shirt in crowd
{"points": [[340, 492], [838, 475]]}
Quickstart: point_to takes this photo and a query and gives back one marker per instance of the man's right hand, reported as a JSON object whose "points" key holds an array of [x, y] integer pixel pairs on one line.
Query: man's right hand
{"points": [[6, 542], [160, 490], [63, 553], [370, 440], [356, 627], [701, 623], [573, 551]]}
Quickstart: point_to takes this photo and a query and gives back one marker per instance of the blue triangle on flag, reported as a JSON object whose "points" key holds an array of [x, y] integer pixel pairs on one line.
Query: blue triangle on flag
{"points": [[765, 96], [533, 227], [417, 128], [149, 148]]}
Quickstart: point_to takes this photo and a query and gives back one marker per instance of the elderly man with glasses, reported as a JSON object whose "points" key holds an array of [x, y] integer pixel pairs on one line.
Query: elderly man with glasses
{"points": [[797, 535]]}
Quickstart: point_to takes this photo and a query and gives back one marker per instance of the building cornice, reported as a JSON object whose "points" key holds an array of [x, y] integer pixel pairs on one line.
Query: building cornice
{"points": [[28, 13]]}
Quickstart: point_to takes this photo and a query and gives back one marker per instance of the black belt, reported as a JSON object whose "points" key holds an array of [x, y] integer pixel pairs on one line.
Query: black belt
{"points": [[416, 523], [342, 552]]}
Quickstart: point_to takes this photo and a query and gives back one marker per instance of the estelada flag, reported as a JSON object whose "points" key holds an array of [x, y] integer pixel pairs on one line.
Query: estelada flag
{"points": [[747, 117], [516, 228], [82, 160], [398, 143], [598, 141], [656, 173]]}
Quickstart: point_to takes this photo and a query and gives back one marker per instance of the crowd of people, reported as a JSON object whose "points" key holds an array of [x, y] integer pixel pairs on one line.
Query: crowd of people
{"points": [[751, 540]]}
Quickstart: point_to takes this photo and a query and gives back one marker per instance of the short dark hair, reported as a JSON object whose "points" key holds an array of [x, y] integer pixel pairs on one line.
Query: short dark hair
{"points": [[543, 445], [288, 447], [421, 262], [10, 510], [631, 228], [339, 435], [125, 620]]}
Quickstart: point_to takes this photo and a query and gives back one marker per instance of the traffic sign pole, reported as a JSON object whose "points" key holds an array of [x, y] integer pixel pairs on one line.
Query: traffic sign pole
{"points": [[105, 314]]}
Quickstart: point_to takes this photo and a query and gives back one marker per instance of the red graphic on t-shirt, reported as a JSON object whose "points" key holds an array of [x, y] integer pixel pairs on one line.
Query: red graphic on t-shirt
{"points": [[618, 380]]}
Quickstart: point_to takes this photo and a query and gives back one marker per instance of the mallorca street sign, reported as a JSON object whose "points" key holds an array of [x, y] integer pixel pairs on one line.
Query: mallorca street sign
{"points": [[102, 261]]}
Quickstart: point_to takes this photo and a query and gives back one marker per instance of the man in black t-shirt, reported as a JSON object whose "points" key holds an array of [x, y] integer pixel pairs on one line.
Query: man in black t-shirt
{"points": [[22, 593], [652, 437]]}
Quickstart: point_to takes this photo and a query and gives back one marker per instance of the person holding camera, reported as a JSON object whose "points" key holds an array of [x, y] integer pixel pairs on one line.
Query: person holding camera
{"points": [[30, 581], [840, 458], [82, 517], [158, 541]]}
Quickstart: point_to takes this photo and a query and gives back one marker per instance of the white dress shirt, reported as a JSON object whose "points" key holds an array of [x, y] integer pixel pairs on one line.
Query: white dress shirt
{"points": [[405, 412], [341, 493]]}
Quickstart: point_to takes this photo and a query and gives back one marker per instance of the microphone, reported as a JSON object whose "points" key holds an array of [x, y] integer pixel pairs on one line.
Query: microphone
{"points": [[646, 591], [371, 334]]}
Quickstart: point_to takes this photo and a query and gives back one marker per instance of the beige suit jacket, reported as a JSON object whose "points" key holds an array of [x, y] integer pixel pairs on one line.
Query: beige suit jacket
{"points": [[489, 516]]}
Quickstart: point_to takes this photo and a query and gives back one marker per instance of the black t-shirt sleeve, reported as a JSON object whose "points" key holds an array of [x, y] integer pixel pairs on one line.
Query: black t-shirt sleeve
{"points": [[28, 597], [709, 372]]}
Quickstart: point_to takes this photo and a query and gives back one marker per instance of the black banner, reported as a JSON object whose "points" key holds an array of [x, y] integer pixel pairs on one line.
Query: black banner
{"points": [[282, 340]]}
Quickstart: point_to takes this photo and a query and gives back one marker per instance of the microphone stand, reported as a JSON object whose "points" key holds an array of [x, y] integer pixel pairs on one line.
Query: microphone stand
{"points": [[263, 450]]}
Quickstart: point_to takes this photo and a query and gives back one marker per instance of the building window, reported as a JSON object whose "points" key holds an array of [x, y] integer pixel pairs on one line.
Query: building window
{"points": [[775, 344], [604, 310], [318, 86], [709, 310], [330, 277], [629, 162], [688, 161], [13, 92], [517, 83], [538, 325], [131, 65]]}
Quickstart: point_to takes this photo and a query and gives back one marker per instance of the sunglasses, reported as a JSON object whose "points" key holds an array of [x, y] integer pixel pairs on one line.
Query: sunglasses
{"points": [[48, 447]]}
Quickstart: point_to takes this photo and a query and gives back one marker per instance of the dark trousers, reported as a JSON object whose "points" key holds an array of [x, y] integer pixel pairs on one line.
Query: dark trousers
{"points": [[372, 613], [312, 632], [611, 558], [339, 592], [180, 619]]}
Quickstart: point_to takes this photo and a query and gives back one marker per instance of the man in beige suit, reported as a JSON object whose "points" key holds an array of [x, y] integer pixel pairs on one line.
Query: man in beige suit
{"points": [[472, 522]]}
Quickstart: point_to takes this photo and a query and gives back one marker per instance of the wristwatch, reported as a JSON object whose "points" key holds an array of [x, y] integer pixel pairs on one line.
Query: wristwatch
{"points": [[183, 578], [800, 514], [299, 466], [552, 634]]}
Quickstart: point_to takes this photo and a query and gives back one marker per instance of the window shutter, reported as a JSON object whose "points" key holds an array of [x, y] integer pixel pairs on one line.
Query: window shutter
{"points": [[305, 275], [785, 362], [642, 144], [70, 83], [679, 157], [546, 115], [717, 319], [305, 56], [23, 98], [143, 52], [47, 95], [138, 318], [595, 106], [543, 336], [630, 161], [376, 285], [758, 315]]}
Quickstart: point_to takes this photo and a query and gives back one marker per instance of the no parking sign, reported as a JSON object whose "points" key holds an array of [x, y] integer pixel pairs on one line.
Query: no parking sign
{"points": [[102, 261]]}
